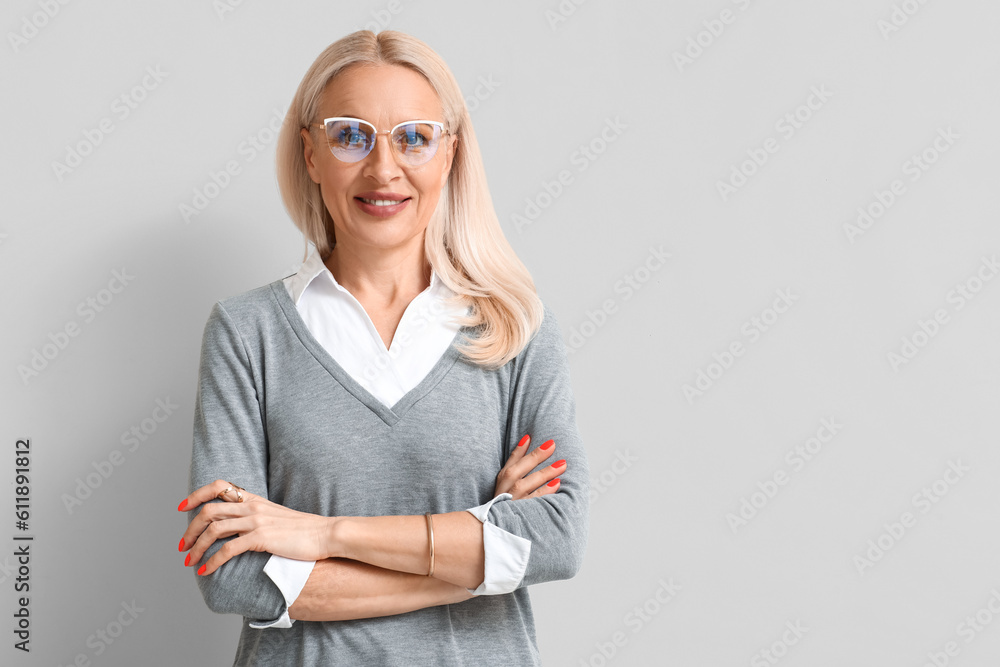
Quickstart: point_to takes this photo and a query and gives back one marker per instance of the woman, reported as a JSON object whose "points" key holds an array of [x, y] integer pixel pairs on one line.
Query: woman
{"points": [[345, 531]]}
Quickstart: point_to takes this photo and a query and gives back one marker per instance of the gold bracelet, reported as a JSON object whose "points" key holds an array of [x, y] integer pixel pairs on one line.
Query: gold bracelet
{"points": [[430, 540]]}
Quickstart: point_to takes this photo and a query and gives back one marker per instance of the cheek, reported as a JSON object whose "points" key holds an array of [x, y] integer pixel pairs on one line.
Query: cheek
{"points": [[334, 188], [430, 192], [430, 183]]}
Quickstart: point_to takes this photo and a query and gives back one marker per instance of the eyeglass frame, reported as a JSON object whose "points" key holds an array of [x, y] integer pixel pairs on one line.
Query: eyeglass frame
{"points": [[388, 134]]}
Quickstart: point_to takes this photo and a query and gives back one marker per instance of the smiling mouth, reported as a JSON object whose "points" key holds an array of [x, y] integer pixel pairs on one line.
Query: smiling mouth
{"points": [[383, 202]]}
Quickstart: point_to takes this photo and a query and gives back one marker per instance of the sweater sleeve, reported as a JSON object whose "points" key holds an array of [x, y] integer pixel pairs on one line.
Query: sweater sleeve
{"points": [[542, 405], [230, 443]]}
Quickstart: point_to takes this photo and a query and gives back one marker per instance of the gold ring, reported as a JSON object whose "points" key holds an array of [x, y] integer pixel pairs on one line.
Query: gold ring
{"points": [[239, 494]]}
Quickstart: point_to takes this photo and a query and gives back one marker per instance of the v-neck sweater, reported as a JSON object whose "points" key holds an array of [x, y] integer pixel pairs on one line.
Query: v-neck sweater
{"points": [[278, 416], [339, 322]]}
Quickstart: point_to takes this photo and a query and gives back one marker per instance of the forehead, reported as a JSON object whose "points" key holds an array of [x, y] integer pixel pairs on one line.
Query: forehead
{"points": [[382, 94]]}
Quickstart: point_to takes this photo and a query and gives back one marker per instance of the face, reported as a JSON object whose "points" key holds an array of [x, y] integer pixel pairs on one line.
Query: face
{"points": [[385, 96]]}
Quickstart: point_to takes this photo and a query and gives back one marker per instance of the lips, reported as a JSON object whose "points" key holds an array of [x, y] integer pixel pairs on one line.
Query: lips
{"points": [[381, 204], [379, 198]]}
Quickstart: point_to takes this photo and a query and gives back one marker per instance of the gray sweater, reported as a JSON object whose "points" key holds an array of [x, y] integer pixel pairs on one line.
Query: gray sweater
{"points": [[278, 416]]}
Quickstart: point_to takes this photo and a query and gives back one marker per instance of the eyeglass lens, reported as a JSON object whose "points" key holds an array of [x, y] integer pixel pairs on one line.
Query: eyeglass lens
{"points": [[351, 140]]}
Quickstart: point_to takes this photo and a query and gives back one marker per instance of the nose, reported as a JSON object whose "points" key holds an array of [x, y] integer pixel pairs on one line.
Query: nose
{"points": [[381, 163]]}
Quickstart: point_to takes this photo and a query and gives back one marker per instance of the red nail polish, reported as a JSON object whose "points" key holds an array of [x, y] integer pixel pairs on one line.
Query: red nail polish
{"points": [[560, 462], [553, 482], [524, 441], [187, 561], [184, 503], [180, 547], [201, 570], [548, 444]]}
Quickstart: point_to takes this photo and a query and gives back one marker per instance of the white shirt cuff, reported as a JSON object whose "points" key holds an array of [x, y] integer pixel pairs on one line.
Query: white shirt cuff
{"points": [[506, 554], [290, 577]]}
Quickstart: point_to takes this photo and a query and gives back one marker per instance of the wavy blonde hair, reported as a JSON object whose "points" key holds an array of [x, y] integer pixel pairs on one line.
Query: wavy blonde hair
{"points": [[464, 242]]}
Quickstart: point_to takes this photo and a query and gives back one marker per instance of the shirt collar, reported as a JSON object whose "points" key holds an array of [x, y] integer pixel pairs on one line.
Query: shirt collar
{"points": [[314, 267]]}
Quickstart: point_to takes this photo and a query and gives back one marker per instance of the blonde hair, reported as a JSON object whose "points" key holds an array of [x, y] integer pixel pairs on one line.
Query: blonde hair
{"points": [[464, 242]]}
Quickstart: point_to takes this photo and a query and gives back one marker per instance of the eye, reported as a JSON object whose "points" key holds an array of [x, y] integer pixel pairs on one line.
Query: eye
{"points": [[349, 136], [352, 137], [415, 137]]}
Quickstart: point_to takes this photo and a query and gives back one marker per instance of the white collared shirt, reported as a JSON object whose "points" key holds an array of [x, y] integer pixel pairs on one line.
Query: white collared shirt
{"points": [[338, 321]]}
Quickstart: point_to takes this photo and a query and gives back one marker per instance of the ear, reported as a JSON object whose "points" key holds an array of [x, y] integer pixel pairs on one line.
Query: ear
{"points": [[309, 154], [452, 146]]}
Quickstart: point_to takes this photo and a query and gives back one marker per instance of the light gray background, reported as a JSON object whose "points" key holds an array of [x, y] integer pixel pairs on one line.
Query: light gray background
{"points": [[660, 512]]}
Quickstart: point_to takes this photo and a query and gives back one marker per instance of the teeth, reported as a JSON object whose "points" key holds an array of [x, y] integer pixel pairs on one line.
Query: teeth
{"points": [[379, 202]]}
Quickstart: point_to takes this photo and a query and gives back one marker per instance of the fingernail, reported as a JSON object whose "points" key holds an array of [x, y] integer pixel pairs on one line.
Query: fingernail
{"points": [[548, 444], [553, 482], [560, 462], [184, 503], [180, 547], [201, 570], [187, 561], [524, 440]]}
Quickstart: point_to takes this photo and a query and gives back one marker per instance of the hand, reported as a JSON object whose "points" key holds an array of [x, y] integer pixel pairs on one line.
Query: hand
{"points": [[514, 479], [260, 524]]}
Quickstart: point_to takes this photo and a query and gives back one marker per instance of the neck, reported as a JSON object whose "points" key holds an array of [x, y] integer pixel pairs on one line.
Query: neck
{"points": [[381, 275]]}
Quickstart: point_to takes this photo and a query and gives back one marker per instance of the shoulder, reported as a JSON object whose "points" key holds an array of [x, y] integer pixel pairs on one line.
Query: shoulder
{"points": [[248, 312], [547, 341]]}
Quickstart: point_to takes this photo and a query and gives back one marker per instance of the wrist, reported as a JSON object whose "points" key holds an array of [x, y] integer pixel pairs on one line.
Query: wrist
{"points": [[335, 537]]}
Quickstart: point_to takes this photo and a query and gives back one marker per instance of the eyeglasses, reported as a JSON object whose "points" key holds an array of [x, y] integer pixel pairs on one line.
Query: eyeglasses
{"points": [[352, 139]]}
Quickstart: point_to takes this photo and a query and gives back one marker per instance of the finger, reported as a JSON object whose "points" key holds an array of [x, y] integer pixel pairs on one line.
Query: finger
{"points": [[211, 513], [228, 550], [508, 473], [546, 489], [518, 452], [528, 484], [509, 479], [531, 460], [209, 492], [218, 530]]}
